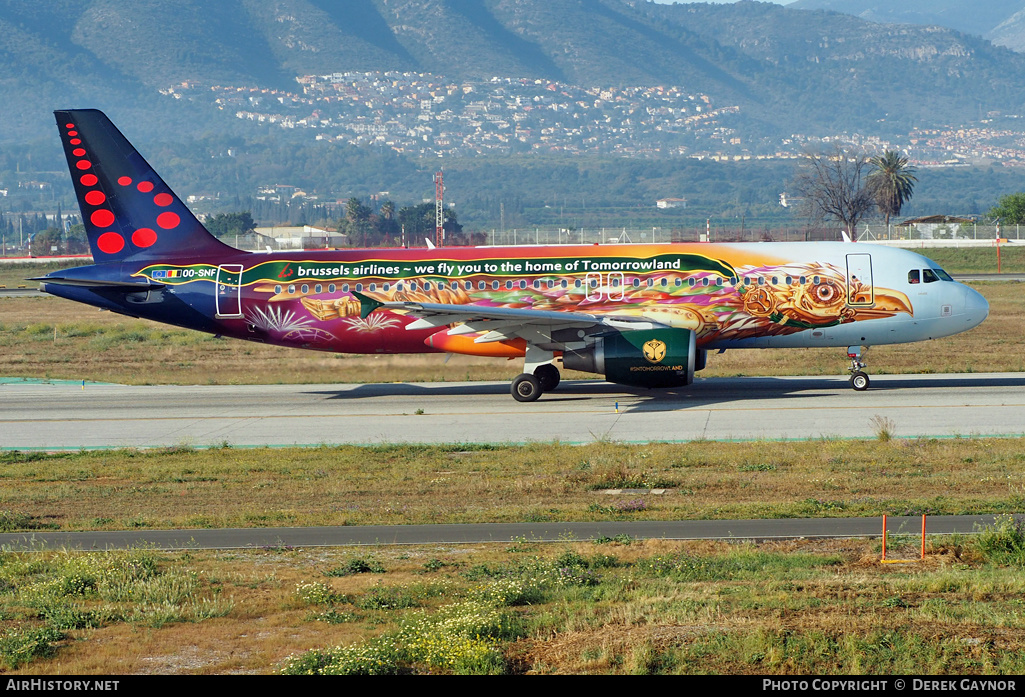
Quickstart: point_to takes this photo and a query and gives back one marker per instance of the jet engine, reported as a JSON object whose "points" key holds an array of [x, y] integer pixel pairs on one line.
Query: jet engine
{"points": [[642, 358]]}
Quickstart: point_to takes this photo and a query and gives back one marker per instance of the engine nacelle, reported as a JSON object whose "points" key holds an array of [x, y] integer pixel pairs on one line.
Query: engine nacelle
{"points": [[648, 358]]}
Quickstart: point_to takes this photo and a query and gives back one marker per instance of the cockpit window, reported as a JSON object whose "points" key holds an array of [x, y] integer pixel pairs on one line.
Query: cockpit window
{"points": [[914, 276], [929, 276], [944, 276]]}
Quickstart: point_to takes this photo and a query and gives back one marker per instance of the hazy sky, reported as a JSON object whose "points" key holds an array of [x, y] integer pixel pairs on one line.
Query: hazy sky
{"points": [[670, 2]]}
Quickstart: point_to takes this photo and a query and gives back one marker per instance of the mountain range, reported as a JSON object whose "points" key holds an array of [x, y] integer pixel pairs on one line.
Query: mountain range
{"points": [[790, 70], [999, 21]]}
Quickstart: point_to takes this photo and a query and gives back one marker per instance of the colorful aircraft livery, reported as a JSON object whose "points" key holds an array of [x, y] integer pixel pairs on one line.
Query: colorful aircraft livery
{"points": [[640, 315]]}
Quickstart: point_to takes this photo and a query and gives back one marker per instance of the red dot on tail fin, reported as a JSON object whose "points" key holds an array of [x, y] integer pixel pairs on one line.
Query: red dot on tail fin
{"points": [[168, 220], [144, 237], [110, 242], [102, 218]]}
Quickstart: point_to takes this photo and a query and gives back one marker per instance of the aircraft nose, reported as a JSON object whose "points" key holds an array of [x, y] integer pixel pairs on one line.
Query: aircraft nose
{"points": [[976, 307]]}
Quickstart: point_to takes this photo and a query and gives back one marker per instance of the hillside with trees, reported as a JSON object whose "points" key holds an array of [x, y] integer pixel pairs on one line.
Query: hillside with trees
{"points": [[779, 69], [821, 70]]}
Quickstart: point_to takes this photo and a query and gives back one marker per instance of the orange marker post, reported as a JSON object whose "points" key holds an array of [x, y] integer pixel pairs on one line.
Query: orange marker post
{"points": [[884, 560]]}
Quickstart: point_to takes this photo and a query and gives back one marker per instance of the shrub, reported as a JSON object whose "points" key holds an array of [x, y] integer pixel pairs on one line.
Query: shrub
{"points": [[1004, 542]]}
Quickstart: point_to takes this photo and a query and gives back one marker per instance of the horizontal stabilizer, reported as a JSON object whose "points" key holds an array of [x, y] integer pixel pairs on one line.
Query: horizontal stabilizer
{"points": [[127, 286]]}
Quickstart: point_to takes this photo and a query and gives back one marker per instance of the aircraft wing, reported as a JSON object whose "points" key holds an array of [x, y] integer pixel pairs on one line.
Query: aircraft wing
{"points": [[504, 323]]}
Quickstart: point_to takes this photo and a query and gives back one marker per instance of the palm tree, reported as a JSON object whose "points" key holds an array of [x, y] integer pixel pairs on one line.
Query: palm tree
{"points": [[892, 183]]}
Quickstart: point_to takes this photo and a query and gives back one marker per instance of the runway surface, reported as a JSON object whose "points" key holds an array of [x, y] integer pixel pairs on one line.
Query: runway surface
{"points": [[68, 416]]}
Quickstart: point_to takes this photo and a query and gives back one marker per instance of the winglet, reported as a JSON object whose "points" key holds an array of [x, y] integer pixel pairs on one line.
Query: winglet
{"points": [[366, 304]]}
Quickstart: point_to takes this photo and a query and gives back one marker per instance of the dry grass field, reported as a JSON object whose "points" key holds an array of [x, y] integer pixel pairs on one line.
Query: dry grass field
{"points": [[400, 484], [612, 607]]}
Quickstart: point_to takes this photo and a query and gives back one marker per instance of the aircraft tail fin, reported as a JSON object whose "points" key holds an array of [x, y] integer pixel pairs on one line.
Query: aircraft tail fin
{"points": [[128, 210]]}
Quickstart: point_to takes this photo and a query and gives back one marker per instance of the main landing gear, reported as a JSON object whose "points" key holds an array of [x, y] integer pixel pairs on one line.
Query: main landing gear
{"points": [[859, 378], [529, 387]]}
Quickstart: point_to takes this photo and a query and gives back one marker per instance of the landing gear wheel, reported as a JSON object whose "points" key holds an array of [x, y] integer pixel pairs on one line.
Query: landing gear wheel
{"points": [[860, 381], [526, 388], [548, 376]]}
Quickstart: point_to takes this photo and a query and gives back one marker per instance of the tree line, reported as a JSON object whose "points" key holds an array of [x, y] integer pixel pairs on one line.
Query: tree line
{"points": [[844, 185]]}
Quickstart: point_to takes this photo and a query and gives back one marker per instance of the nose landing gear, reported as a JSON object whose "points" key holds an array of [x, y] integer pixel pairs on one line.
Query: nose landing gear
{"points": [[859, 378]]}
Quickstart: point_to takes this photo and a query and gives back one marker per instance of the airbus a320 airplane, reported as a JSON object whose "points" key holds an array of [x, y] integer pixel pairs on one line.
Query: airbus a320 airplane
{"points": [[641, 315]]}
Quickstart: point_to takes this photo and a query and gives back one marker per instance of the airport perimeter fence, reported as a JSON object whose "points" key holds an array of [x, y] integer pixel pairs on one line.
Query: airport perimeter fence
{"points": [[931, 234], [950, 233]]}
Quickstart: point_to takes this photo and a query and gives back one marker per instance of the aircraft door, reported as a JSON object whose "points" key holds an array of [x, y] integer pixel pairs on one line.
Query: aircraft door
{"points": [[860, 288], [228, 295]]}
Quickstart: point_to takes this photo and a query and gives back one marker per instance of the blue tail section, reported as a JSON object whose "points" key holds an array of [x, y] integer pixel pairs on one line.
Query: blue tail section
{"points": [[128, 210]]}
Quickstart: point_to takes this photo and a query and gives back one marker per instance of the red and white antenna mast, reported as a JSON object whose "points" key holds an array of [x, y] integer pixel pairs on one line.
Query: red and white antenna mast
{"points": [[439, 209]]}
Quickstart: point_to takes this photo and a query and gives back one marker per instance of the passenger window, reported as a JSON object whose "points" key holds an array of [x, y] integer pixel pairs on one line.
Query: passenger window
{"points": [[277, 289], [481, 285], [928, 276], [913, 276], [305, 289], [494, 285], [331, 288], [318, 288]]}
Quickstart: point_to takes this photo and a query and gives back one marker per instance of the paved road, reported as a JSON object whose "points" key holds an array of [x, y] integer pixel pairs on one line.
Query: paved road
{"points": [[465, 534], [66, 416]]}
